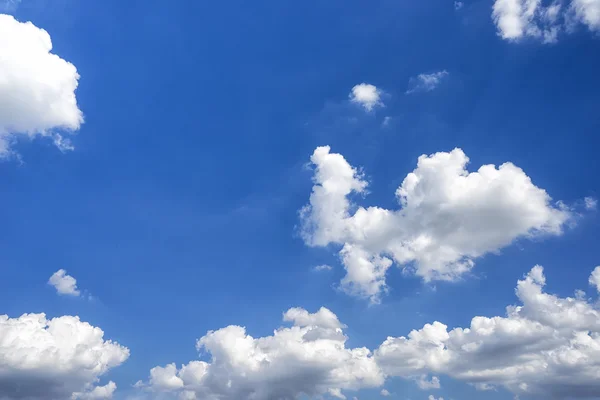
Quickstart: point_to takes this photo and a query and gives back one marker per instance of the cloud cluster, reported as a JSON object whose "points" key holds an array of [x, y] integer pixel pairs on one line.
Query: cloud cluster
{"points": [[37, 87], [426, 82], [309, 358], [447, 218], [61, 358], [548, 346], [516, 19], [63, 283], [366, 95]]}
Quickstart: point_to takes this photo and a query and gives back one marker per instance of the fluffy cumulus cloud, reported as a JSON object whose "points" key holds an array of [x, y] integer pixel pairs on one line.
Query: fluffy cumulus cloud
{"points": [[63, 283], [426, 82], [516, 19], [61, 358], [447, 218], [309, 357], [595, 279], [37, 87], [99, 392], [366, 95], [547, 346]]}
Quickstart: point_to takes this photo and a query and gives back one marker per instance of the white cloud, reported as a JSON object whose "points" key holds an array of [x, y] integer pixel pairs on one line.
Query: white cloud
{"points": [[366, 95], [458, 5], [424, 384], [448, 217], [516, 19], [432, 397], [37, 87], [99, 392], [590, 203], [548, 346], [425, 82], [308, 358], [58, 358], [63, 283], [323, 267], [595, 279], [587, 12]]}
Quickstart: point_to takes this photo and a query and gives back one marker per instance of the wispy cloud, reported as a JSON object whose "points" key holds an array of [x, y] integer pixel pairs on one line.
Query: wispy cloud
{"points": [[590, 203], [323, 267], [9, 5], [519, 19], [426, 82]]}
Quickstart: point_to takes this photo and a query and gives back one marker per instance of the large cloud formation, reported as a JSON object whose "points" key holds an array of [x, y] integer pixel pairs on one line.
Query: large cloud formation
{"points": [[516, 19], [309, 358], [547, 347], [61, 358], [37, 87], [448, 217]]}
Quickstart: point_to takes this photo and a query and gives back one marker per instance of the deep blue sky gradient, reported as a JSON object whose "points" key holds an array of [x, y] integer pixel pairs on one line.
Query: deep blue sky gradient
{"points": [[178, 209]]}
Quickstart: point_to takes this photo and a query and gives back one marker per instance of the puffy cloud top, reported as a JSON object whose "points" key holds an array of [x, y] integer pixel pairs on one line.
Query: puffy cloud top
{"points": [[58, 358], [63, 283], [37, 87], [448, 217], [366, 95], [308, 358], [595, 279], [548, 346]]}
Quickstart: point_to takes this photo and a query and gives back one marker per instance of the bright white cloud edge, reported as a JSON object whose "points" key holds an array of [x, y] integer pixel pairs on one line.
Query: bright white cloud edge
{"points": [[545, 346], [448, 217], [308, 357], [366, 95], [59, 358], [37, 93], [518, 19]]}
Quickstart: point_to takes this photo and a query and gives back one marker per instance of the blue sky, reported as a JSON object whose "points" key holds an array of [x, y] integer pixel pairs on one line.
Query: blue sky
{"points": [[178, 209]]}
